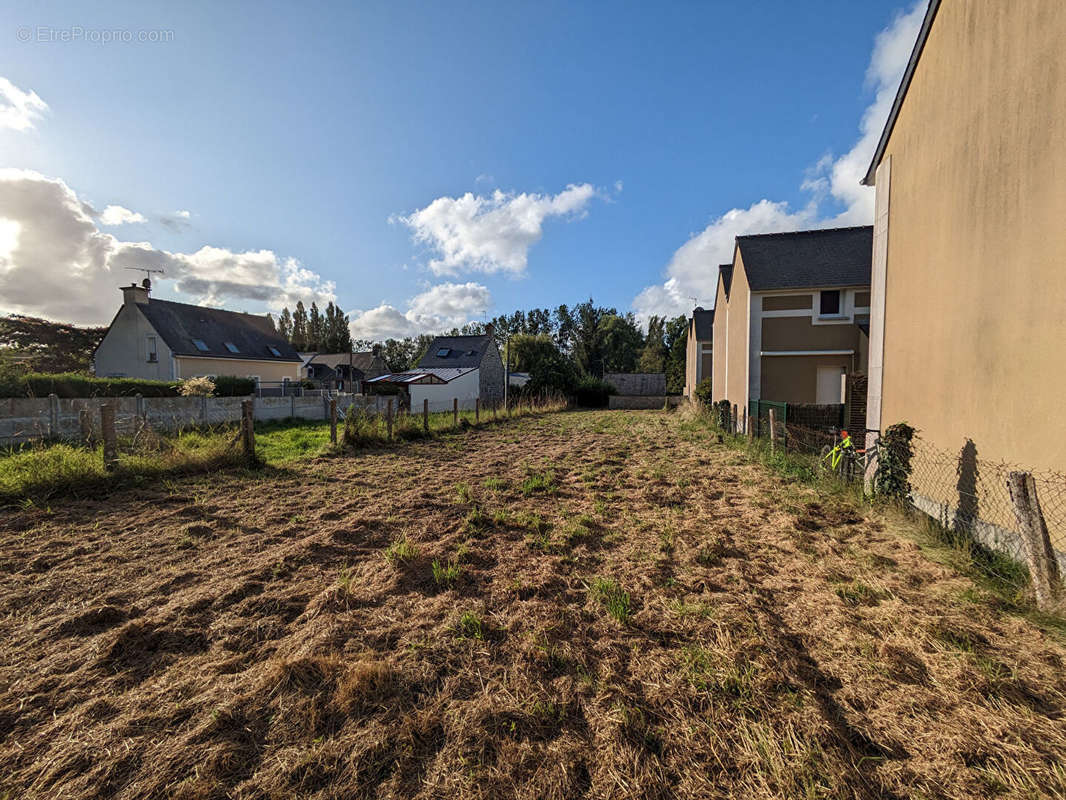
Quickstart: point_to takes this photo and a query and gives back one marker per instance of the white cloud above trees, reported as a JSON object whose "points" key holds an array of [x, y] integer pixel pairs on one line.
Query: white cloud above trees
{"points": [[435, 309]]}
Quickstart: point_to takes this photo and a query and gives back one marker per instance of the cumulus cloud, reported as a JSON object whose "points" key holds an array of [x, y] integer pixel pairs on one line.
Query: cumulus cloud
{"points": [[832, 183], [118, 215], [177, 221], [19, 110], [438, 308], [491, 233], [56, 263]]}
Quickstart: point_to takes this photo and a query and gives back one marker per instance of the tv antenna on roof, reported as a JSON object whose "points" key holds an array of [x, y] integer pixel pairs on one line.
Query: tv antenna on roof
{"points": [[147, 282]]}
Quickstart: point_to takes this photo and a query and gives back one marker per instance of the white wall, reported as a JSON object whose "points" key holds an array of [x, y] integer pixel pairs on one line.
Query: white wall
{"points": [[465, 388], [123, 350]]}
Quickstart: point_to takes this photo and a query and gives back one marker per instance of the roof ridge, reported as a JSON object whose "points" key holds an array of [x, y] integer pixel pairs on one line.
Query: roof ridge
{"points": [[798, 233], [205, 308]]}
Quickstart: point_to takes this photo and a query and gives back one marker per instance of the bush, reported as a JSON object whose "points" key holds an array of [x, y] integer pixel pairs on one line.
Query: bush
{"points": [[592, 392], [703, 391], [197, 387], [232, 386], [723, 415], [73, 384], [894, 453]]}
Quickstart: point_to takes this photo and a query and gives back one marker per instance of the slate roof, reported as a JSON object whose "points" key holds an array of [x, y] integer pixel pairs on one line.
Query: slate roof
{"points": [[179, 323], [444, 374], [363, 362], [808, 259], [726, 271], [704, 323], [465, 351]]}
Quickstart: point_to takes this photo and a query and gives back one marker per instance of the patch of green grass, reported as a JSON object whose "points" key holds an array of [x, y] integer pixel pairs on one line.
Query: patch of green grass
{"points": [[463, 494], [858, 593], [495, 484], [612, 597], [401, 551], [470, 626], [540, 483], [446, 575]]}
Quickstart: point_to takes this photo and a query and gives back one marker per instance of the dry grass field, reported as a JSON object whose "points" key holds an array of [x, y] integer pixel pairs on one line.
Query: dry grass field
{"points": [[594, 604]]}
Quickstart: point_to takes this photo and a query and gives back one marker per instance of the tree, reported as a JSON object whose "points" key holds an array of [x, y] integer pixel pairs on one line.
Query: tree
{"points": [[548, 368], [618, 341], [676, 339], [300, 333], [398, 354], [285, 325], [337, 336], [316, 329], [45, 346], [653, 356]]}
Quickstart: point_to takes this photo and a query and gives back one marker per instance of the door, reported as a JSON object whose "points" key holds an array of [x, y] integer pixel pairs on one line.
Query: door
{"points": [[830, 387]]}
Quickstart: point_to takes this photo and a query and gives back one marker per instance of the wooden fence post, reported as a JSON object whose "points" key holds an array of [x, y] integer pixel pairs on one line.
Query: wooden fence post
{"points": [[107, 431], [333, 420], [86, 424], [1039, 554], [248, 430], [425, 414], [477, 410], [745, 423], [495, 405], [773, 431], [388, 418], [733, 420], [455, 412]]}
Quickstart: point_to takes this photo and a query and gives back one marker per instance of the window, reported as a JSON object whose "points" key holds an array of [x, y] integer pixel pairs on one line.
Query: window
{"points": [[153, 355], [274, 351], [830, 303], [444, 352], [200, 345], [231, 347]]}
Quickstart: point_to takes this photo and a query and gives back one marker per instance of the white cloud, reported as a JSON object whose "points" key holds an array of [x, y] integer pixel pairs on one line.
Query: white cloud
{"points": [[177, 221], [19, 110], [490, 233], [183, 214], [118, 215], [56, 263], [693, 270], [438, 308]]}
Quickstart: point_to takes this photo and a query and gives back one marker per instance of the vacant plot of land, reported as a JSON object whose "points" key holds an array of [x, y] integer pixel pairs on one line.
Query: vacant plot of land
{"points": [[600, 604]]}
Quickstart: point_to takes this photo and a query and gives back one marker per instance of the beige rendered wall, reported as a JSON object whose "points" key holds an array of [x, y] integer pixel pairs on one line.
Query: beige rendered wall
{"points": [[975, 297], [794, 379], [692, 348], [739, 299], [123, 350], [265, 370], [721, 342]]}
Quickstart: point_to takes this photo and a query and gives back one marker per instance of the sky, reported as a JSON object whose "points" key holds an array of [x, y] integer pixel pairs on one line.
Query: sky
{"points": [[427, 164]]}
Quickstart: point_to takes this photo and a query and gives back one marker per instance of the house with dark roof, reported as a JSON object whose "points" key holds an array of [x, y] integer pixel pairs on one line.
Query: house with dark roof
{"points": [[463, 368], [969, 265], [698, 350], [163, 340], [344, 371], [787, 316]]}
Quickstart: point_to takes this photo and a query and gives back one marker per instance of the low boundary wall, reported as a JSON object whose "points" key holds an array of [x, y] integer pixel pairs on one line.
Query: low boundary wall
{"points": [[634, 402]]}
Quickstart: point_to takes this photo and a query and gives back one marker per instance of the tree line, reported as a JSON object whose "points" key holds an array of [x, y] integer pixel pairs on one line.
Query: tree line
{"points": [[315, 332]]}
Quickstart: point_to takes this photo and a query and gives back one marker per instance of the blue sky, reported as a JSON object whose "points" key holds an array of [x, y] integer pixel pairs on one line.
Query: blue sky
{"points": [[344, 137]]}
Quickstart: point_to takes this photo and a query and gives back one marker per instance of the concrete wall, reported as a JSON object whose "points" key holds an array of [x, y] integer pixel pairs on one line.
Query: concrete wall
{"points": [[634, 402], [637, 383], [973, 300], [123, 350], [465, 388], [26, 419]]}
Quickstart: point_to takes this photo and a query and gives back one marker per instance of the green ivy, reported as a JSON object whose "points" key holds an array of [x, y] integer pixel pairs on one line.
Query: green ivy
{"points": [[894, 454]]}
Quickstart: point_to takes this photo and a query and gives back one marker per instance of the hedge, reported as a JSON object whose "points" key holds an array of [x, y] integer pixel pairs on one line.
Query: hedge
{"points": [[73, 384]]}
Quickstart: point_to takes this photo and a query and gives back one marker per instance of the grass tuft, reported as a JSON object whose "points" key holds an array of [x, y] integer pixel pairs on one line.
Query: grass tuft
{"points": [[613, 597]]}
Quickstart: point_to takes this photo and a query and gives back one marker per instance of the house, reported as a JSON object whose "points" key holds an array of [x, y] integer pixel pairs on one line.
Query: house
{"points": [[163, 340], [966, 321], [345, 371], [698, 359], [454, 367], [788, 316]]}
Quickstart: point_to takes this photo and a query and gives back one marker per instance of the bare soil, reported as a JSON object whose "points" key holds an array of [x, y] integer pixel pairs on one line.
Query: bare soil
{"points": [[621, 608]]}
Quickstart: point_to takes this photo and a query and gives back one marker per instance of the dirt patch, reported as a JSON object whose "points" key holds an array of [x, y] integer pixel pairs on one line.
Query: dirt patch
{"points": [[607, 604]]}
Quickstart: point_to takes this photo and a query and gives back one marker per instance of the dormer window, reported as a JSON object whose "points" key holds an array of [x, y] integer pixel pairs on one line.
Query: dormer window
{"points": [[231, 347], [200, 345]]}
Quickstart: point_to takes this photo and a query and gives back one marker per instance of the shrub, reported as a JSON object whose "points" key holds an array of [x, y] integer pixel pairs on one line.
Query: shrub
{"points": [[232, 386], [723, 414], [703, 391], [73, 384], [894, 453], [592, 392], [197, 387]]}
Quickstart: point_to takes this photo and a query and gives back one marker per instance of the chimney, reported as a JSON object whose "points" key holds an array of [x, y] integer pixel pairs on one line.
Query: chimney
{"points": [[490, 329], [376, 349], [134, 294]]}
